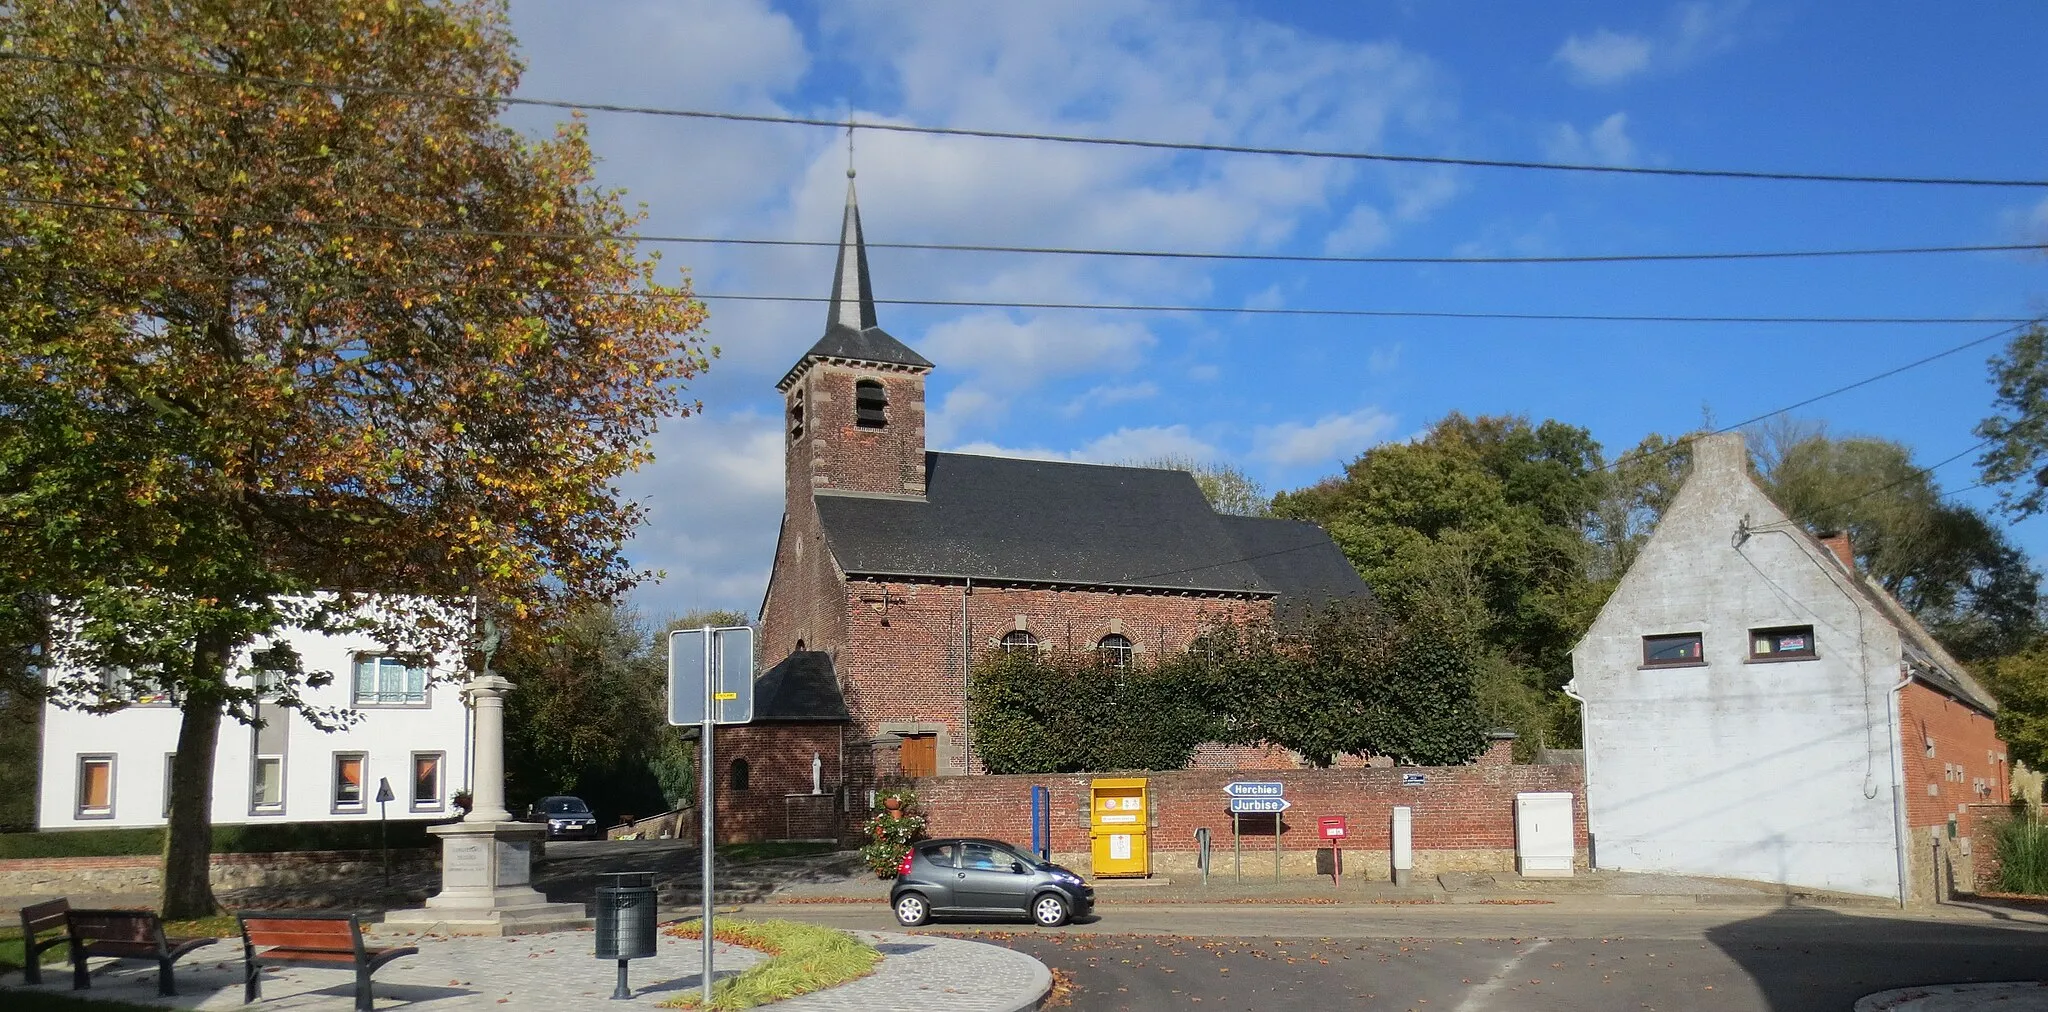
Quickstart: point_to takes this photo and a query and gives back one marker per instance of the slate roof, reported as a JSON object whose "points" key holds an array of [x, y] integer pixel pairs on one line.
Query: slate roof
{"points": [[1040, 521], [870, 345], [802, 687]]}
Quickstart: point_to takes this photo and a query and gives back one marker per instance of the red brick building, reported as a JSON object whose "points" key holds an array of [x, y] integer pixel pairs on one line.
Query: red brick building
{"points": [[897, 565]]}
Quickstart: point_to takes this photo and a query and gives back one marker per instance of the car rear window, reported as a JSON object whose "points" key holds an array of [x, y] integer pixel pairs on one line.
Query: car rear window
{"points": [[941, 854]]}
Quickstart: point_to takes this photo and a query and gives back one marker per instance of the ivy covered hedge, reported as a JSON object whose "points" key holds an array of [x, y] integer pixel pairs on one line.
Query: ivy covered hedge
{"points": [[1348, 680]]}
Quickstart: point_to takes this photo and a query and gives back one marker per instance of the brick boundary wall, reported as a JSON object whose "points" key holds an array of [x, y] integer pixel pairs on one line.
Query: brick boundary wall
{"points": [[139, 873], [1464, 816]]}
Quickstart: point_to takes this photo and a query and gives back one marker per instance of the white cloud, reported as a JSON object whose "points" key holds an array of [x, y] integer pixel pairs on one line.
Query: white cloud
{"points": [[1605, 144], [2027, 224], [1328, 438], [1005, 356], [1383, 360], [714, 497], [1363, 230], [1204, 373], [1109, 395], [1692, 32], [1604, 57], [1120, 447]]}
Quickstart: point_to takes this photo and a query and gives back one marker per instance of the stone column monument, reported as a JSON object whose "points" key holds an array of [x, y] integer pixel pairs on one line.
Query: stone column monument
{"points": [[487, 859]]}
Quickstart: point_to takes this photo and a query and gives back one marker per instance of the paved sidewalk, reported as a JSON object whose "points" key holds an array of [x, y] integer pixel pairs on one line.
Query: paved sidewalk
{"points": [[556, 972], [2013, 996]]}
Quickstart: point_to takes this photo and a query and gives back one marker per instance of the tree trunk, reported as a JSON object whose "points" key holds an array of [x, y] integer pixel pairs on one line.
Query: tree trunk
{"points": [[188, 843]]}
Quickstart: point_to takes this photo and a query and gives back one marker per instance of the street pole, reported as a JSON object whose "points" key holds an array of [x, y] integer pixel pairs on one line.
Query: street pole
{"points": [[1276, 848], [1237, 843], [704, 775]]}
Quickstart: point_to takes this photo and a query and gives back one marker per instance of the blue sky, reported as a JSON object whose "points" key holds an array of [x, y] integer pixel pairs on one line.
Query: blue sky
{"points": [[1871, 88]]}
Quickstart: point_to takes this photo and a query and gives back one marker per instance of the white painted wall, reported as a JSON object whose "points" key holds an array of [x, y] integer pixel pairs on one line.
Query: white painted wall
{"points": [[142, 737], [1774, 771]]}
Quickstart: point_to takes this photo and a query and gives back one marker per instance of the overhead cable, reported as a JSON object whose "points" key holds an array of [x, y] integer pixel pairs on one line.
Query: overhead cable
{"points": [[1588, 258], [347, 88]]}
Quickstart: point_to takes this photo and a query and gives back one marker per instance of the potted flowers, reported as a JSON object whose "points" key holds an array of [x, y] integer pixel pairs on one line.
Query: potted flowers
{"points": [[890, 830]]}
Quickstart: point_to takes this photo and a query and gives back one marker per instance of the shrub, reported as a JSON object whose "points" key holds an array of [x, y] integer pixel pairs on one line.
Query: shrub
{"points": [[2023, 855], [890, 834]]}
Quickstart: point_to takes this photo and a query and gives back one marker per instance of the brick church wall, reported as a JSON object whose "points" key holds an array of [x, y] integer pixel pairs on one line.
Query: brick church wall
{"points": [[1464, 816], [907, 675], [777, 803]]}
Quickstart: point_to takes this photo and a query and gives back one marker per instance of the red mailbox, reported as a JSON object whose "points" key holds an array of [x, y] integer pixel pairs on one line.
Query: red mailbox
{"points": [[1330, 827]]}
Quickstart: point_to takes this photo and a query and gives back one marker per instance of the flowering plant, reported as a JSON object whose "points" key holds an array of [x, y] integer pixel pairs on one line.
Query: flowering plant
{"points": [[890, 832]]}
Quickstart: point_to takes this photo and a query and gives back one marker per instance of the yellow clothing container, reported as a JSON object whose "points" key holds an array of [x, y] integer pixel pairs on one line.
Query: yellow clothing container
{"points": [[1119, 821]]}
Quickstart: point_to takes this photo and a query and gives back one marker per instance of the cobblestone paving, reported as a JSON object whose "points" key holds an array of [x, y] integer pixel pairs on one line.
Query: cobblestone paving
{"points": [[556, 972]]}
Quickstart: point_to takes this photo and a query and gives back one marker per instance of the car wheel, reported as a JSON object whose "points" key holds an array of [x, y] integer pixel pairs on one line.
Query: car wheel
{"points": [[1049, 910], [912, 910]]}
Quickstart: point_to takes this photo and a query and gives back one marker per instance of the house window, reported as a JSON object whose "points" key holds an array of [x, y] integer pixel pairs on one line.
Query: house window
{"points": [[1115, 650], [1017, 641], [388, 680], [426, 781], [1673, 650], [266, 786], [348, 782], [1785, 643], [870, 405], [742, 772], [95, 787], [796, 416], [120, 684]]}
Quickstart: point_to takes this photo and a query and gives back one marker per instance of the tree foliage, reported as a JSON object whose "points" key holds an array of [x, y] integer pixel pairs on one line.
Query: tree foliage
{"points": [[1946, 562], [1348, 681], [2020, 682], [2016, 462], [1227, 487], [252, 382]]}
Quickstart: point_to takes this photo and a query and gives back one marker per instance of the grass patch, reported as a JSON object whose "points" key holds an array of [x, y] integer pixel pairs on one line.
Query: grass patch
{"points": [[2023, 856], [802, 958], [740, 853]]}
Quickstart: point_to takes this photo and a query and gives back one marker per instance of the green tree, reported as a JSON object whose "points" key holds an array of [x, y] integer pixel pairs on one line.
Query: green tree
{"points": [[1225, 485], [2020, 681], [2016, 461], [588, 711], [1481, 529], [242, 384], [1947, 563], [1068, 711]]}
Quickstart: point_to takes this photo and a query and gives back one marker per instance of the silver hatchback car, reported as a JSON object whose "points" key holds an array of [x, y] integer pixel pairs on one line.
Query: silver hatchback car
{"points": [[975, 876]]}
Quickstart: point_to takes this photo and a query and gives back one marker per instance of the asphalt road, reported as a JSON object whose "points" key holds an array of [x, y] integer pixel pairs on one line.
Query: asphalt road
{"points": [[1500, 959]]}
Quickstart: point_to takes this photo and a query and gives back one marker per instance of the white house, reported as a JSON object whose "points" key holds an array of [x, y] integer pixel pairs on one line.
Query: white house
{"points": [[1756, 708], [113, 769]]}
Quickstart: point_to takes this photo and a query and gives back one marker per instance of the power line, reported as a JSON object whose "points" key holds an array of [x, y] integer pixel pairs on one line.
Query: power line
{"points": [[1125, 142], [340, 286], [1914, 475], [1845, 388], [1590, 258]]}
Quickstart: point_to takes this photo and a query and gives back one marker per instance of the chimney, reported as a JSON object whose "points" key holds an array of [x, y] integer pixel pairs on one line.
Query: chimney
{"points": [[1722, 454], [1838, 543]]}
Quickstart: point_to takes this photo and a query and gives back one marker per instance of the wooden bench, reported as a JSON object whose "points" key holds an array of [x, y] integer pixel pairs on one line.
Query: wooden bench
{"points": [[125, 934], [294, 939], [36, 919]]}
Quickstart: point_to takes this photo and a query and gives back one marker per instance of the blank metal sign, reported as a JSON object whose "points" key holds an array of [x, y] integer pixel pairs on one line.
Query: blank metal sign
{"points": [[732, 664]]}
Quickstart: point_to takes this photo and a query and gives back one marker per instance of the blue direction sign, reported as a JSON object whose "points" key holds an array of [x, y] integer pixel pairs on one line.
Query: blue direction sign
{"points": [[1255, 789], [1267, 806]]}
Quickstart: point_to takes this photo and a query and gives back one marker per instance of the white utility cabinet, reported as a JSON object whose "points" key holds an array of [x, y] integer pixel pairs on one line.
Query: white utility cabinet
{"points": [[1543, 834]]}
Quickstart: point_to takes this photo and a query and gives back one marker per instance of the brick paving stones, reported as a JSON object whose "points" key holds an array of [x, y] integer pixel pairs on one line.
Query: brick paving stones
{"points": [[556, 972]]}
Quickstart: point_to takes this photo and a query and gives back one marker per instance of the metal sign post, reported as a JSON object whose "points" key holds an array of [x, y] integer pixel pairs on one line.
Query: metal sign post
{"points": [[1263, 797], [384, 796], [710, 682]]}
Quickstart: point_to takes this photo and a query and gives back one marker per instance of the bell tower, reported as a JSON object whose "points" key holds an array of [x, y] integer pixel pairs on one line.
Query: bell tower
{"points": [[853, 405]]}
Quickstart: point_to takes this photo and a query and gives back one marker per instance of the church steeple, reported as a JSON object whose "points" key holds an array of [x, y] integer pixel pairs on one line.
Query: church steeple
{"points": [[853, 296]]}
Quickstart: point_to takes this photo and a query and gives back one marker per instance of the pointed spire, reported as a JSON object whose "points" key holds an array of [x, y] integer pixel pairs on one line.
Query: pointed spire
{"points": [[853, 296]]}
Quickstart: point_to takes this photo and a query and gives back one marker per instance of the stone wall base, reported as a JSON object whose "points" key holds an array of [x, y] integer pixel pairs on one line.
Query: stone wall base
{"points": [[64, 876]]}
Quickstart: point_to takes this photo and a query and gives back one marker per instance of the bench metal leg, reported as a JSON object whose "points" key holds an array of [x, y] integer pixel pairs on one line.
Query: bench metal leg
{"points": [[81, 979], [32, 967], [363, 999], [252, 983], [166, 984]]}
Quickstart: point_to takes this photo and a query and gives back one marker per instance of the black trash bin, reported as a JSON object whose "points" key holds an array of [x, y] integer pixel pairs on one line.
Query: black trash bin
{"points": [[625, 920]]}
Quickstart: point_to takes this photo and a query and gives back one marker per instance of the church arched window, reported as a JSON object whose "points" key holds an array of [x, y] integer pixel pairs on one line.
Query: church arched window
{"points": [[1017, 641], [742, 774], [1115, 650], [870, 405]]}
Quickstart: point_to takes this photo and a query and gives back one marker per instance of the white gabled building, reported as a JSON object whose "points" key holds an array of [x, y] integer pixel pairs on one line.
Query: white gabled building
{"points": [[102, 770], [1757, 708]]}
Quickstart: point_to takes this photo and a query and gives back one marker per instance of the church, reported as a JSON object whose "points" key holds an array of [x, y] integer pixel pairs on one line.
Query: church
{"points": [[897, 565]]}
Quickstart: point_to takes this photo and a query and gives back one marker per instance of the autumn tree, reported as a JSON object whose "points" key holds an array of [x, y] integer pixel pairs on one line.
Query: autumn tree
{"points": [[1227, 487], [268, 350]]}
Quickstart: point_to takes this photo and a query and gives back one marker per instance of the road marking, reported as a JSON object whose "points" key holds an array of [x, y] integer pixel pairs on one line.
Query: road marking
{"points": [[1482, 995]]}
